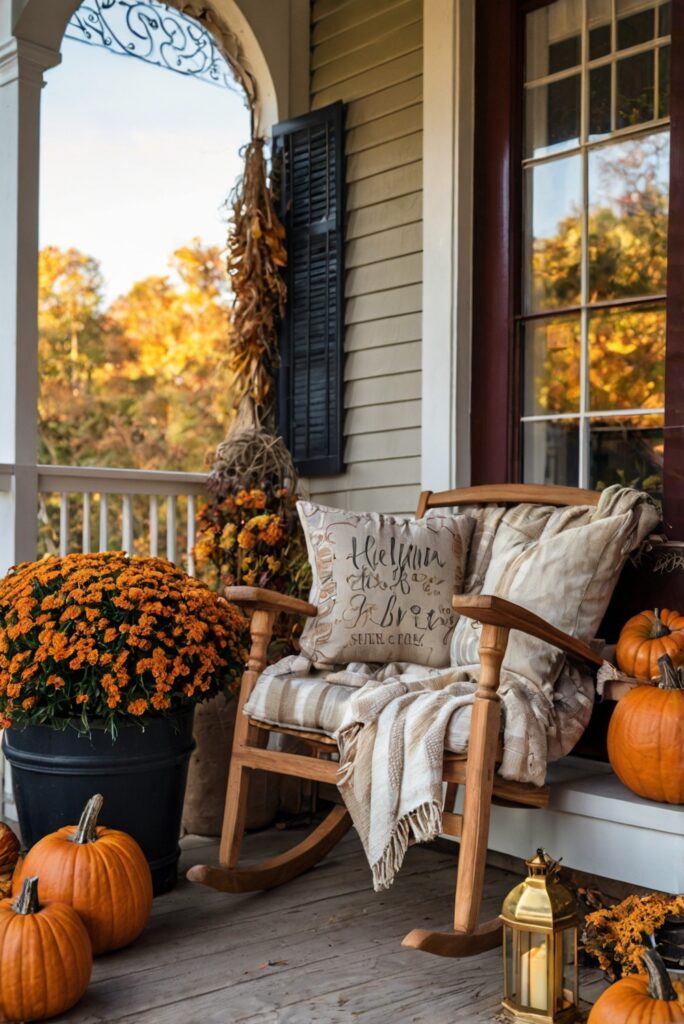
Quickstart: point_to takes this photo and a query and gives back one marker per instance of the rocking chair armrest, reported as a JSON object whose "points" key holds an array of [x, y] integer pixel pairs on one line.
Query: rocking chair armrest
{"points": [[496, 611], [259, 599]]}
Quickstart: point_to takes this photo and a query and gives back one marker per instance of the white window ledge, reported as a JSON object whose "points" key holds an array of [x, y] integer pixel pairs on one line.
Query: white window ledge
{"points": [[597, 825]]}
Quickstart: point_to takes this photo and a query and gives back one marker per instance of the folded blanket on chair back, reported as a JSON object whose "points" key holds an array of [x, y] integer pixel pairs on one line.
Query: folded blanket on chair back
{"points": [[561, 563]]}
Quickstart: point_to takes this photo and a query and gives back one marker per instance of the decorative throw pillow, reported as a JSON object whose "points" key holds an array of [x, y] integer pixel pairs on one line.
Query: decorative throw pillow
{"points": [[382, 585], [562, 564]]}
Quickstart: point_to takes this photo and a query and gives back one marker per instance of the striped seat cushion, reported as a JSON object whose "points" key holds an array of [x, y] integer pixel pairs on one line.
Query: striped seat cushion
{"points": [[310, 702]]}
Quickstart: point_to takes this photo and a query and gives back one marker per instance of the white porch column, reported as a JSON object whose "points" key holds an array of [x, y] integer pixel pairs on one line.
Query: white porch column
{"points": [[21, 77], [448, 140]]}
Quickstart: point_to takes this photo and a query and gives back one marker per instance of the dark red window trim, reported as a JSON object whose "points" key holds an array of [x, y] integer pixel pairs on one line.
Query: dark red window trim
{"points": [[495, 452]]}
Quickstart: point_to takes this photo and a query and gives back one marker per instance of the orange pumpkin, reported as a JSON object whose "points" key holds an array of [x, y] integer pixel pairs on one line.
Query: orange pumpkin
{"points": [[641, 999], [45, 955], [102, 873], [647, 637], [646, 738]]}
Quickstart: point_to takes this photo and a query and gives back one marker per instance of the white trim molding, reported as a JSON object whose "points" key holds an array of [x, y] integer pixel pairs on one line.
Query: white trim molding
{"points": [[22, 63], [448, 144]]}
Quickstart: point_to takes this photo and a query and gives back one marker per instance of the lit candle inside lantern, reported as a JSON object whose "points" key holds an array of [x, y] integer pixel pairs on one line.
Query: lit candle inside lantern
{"points": [[533, 978]]}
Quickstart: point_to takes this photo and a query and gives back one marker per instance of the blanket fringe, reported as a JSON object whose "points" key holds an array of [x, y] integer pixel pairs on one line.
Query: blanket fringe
{"points": [[420, 825], [347, 742]]}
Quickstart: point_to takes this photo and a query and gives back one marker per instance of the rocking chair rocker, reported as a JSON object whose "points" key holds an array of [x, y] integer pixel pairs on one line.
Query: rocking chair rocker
{"points": [[476, 770]]}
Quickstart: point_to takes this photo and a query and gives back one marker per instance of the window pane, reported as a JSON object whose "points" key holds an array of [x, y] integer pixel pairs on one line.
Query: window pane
{"points": [[665, 20], [598, 23], [635, 89], [552, 234], [552, 117], [635, 27], [627, 451], [599, 41], [551, 365], [599, 101], [553, 38], [550, 452], [628, 205], [627, 358], [664, 81]]}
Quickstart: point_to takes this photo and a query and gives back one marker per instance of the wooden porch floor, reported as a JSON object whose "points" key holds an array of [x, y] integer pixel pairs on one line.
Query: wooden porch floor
{"points": [[324, 949]]}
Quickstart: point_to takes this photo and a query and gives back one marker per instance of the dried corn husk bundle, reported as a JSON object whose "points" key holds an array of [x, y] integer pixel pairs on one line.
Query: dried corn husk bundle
{"points": [[256, 254]]}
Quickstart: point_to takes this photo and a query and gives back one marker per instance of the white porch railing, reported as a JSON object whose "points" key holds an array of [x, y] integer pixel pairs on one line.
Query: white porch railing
{"points": [[124, 509]]}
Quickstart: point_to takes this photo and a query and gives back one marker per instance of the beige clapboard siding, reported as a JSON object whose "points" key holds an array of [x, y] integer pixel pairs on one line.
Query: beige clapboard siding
{"points": [[395, 500], [393, 330], [382, 217], [377, 277], [388, 101], [380, 28], [332, 17], [393, 387], [368, 53], [398, 43], [386, 444], [372, 419], [374, 362], [374, 80], [360, 308], [385, 129], [384, 157], [400, 181]]}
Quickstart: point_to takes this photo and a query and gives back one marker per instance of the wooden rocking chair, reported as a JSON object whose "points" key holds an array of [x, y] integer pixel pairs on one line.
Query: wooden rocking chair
{"points": [[476, 770]]}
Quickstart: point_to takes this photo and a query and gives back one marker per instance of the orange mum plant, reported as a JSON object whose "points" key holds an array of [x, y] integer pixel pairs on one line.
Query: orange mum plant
{"points": [[107, 638]]}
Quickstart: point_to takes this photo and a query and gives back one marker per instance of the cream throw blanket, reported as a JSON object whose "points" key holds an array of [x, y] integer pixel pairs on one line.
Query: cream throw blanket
{"points": [[392, 748], [392, 737]]}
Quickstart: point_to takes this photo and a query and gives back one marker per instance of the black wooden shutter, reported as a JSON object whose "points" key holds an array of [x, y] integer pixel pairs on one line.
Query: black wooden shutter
{"points": [[311, 377]]}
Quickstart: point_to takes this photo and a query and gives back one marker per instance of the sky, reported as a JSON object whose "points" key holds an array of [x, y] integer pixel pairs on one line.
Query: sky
{"points": [[136, 161]]}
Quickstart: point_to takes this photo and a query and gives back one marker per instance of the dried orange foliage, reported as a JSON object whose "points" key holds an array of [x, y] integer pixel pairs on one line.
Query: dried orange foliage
{"points": [[256, 255], [9, 855], [109, 637], [617, 936]]}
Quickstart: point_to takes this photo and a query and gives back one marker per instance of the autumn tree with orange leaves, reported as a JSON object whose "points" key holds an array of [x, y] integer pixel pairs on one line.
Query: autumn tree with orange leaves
{"points": [[141, 383]]}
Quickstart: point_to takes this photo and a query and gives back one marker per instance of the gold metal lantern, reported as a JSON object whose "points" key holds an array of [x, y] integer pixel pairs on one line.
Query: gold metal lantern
{"points": [[540, 947]]}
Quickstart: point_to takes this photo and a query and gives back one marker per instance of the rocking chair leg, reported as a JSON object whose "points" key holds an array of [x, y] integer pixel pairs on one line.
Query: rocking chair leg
{"points": [[237, 792], [480, 768], [228, 877], [468, 936]]}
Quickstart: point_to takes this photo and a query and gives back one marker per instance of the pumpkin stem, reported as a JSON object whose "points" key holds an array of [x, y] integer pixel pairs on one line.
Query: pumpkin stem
{"points": [[670, 677], [86, 831], [659, 984], [658, 628], [27, 900]]}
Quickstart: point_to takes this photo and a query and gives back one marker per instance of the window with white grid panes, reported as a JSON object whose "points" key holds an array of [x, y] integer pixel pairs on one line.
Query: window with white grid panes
{"points": [[594, 262]]}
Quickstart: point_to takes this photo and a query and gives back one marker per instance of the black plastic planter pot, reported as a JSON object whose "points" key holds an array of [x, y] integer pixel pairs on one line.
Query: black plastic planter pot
{"points": [[141, 776]]}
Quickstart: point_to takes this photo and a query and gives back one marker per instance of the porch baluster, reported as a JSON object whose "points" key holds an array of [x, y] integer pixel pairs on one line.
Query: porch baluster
{"points": [[154, 525], [127, 524], [171, 528], [191, 535], [63, 524], [85, 543], [104, 526]]}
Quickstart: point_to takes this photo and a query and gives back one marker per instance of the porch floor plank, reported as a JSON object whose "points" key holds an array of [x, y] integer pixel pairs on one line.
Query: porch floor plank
{"points": [[322, 950]]}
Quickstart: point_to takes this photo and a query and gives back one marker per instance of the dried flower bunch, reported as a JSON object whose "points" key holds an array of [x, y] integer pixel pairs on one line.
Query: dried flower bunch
{"points": [[256, 254], [104, 637], [253, 538], [617, 936]]}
